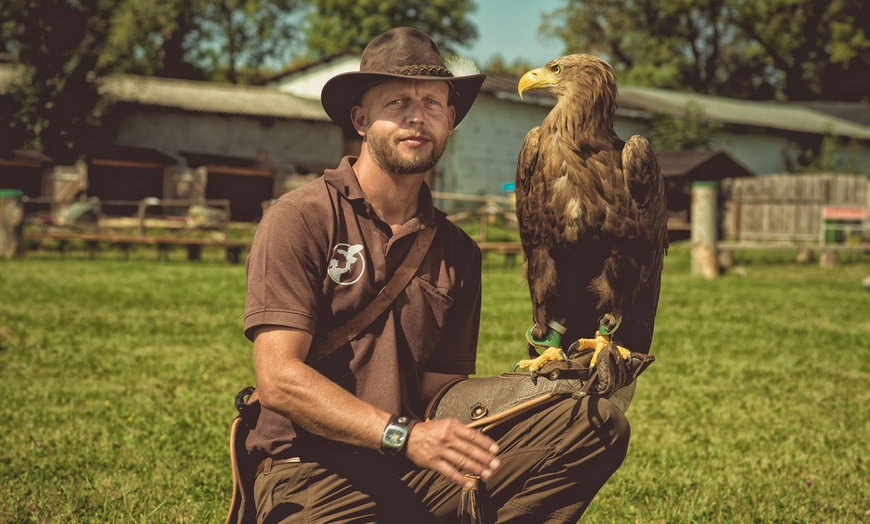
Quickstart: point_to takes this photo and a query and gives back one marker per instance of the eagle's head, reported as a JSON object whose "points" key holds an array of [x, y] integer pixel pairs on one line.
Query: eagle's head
{"points": [[584, 81]]}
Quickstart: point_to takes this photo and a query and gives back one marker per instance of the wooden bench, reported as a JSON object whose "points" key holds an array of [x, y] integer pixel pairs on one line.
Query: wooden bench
{"points": [[233, 248], [507, 248]]}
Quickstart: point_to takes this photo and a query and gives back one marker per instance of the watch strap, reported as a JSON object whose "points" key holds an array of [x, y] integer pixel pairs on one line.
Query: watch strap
{"points": [[397, 421]]}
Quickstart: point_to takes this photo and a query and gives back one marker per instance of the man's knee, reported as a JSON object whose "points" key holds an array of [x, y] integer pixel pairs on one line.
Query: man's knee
{"points": [[614, 422], [601, 432]]}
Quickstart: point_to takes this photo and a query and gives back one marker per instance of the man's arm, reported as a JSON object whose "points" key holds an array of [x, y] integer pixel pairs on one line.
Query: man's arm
{"points": [[292, 388]]}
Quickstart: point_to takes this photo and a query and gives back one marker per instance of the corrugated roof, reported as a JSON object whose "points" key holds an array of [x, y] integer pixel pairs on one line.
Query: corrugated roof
{"points": [[770, 115], [212, 97], [204, 97], [857, 112], [717, 164]]}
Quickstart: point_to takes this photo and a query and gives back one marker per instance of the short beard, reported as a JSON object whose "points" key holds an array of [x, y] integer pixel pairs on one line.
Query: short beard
{"points": [[386, 154]]}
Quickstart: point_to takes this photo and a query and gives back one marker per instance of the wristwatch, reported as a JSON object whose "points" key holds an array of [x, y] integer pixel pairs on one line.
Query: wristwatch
{"points": [[396, 435]]}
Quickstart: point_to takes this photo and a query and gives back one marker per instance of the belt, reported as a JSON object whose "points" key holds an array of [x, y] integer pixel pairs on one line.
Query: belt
{"points": [[262, 465]]}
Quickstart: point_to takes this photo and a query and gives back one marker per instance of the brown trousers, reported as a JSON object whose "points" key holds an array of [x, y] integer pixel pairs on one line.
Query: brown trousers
{"points": [[554, 461]]}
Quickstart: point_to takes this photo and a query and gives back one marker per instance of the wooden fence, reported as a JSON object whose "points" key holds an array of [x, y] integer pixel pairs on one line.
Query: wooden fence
{"points": [[789, 207]]}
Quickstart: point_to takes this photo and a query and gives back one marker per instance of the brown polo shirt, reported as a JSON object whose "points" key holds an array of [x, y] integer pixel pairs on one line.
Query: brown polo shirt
{"points": [[321, 254]]}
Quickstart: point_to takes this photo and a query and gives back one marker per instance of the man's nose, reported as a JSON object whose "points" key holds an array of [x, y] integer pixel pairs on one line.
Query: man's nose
{"points": [[415, 111]]}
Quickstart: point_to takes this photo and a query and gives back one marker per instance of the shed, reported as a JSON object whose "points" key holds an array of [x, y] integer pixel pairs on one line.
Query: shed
{"points": [[22, 170], [681, 168], [125, 173], [245, 182]]}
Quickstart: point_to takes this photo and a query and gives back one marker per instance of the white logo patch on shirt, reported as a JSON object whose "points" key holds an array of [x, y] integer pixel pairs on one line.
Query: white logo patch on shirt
{"points": [[347, 264]]}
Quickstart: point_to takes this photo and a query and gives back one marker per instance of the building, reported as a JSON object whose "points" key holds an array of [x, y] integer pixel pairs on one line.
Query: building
{"points": [[249, 144], [752, 137], [190, 140]]}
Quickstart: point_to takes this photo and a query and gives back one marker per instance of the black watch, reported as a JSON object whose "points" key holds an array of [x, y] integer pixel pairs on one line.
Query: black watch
{"points": [[396, 435]]}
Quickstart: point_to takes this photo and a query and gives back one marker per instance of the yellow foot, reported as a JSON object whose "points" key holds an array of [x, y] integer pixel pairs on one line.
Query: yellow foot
{"points": [[550, 354], [598, 344]]}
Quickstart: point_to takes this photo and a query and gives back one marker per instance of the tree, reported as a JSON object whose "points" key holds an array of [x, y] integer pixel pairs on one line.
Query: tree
{"points": [[691, 130], [759, 49], [335, 26], [220, 40], [56, 106], [516, 68], [818, 49]]}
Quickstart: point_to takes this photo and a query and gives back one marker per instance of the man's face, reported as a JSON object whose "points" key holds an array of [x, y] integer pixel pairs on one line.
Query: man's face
{"points": [[405, 123]]}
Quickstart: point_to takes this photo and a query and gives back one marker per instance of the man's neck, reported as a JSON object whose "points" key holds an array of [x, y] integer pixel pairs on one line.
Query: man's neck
{"points": [[393, 196]]}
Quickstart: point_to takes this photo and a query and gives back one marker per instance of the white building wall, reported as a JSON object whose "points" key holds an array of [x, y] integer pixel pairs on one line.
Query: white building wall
{"points": [[482, 154], [310, 82], [279, 142]]}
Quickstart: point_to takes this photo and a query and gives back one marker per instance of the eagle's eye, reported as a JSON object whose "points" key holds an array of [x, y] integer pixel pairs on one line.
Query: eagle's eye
{"points": [[557, 69]]}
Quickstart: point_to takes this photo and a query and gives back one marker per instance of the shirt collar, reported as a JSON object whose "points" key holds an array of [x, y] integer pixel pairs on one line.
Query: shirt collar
{"points": [[343, 179]]}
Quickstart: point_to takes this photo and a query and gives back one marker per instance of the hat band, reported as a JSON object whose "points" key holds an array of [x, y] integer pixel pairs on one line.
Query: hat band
{"points": [[420, 70]]}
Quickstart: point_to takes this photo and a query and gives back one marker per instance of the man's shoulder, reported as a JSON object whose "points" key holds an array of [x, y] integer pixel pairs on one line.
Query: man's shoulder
{"points": [[308, 193]]}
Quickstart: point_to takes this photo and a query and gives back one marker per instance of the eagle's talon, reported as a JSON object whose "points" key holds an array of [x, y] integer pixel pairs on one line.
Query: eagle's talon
{"points": [[563, 355], [535, 364], [534, 376]]}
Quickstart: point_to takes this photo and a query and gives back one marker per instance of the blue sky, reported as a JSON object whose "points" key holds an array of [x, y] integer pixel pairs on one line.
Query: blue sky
{"points": [[510, 28]]}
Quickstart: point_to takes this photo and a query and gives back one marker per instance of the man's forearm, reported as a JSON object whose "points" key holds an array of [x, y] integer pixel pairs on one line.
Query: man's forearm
{"points": [[321, 407]]}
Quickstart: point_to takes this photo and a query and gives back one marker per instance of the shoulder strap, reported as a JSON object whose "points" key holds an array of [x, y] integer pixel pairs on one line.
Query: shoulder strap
{"points": [[353, 327]]}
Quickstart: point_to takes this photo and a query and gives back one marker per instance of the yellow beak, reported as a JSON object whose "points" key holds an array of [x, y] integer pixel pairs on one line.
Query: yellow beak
{"points": [[536, 79]]}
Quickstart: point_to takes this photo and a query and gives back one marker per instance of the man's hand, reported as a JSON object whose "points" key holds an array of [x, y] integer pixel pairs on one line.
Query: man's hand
{"points": [[452, 449]]}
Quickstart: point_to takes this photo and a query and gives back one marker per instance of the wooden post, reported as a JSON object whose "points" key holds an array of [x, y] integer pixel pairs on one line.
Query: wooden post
{"points": [[828, 258], [11, 223], [705, 228]]}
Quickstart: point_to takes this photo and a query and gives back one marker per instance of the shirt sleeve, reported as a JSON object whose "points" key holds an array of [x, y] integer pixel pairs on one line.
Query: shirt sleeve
{"points": [[284, 271]]}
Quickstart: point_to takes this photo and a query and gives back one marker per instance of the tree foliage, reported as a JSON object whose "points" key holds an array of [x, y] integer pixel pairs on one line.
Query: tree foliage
{"points": [[55, 104], [691, 130], [221, 40], [335, 26], [64, 49], [518, 67], [760, 49]]}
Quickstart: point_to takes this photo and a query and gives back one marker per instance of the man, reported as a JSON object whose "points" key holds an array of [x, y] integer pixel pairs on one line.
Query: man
{"points": [[321, 253]]}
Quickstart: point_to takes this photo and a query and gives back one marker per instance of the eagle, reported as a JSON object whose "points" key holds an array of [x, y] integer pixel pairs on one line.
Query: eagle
{"points": [[592, 218]]}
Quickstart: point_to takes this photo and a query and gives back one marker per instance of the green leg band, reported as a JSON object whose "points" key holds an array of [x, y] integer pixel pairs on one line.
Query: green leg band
{"points": [[552, 339]]}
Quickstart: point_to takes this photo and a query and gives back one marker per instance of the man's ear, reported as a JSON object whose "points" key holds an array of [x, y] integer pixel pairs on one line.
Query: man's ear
{"points": [[452, 118], [358, 117]]}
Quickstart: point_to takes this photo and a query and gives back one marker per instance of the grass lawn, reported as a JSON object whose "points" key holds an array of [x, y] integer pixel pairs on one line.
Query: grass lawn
{"points": [[117, 379]]}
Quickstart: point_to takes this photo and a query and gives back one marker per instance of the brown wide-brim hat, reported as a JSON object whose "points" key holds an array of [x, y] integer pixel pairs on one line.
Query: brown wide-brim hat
{"points": [[405, 53]]}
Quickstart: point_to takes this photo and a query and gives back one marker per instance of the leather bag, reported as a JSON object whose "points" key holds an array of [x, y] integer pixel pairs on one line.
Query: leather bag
{"points": [[489, 401]]}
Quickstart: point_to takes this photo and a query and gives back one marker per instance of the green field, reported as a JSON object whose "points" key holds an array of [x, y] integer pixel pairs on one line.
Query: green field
{"points": [[117, 379]]}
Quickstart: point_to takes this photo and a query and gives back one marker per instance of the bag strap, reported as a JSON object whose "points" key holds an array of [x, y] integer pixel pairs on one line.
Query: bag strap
{"points": [[343, 334]]}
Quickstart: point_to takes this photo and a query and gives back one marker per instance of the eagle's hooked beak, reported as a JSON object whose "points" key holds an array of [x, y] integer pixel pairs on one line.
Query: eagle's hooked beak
{"points": [[536, 79]]}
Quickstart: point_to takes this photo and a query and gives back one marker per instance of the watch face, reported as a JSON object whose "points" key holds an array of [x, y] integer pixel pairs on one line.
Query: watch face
{"points": [[394, 437]]}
